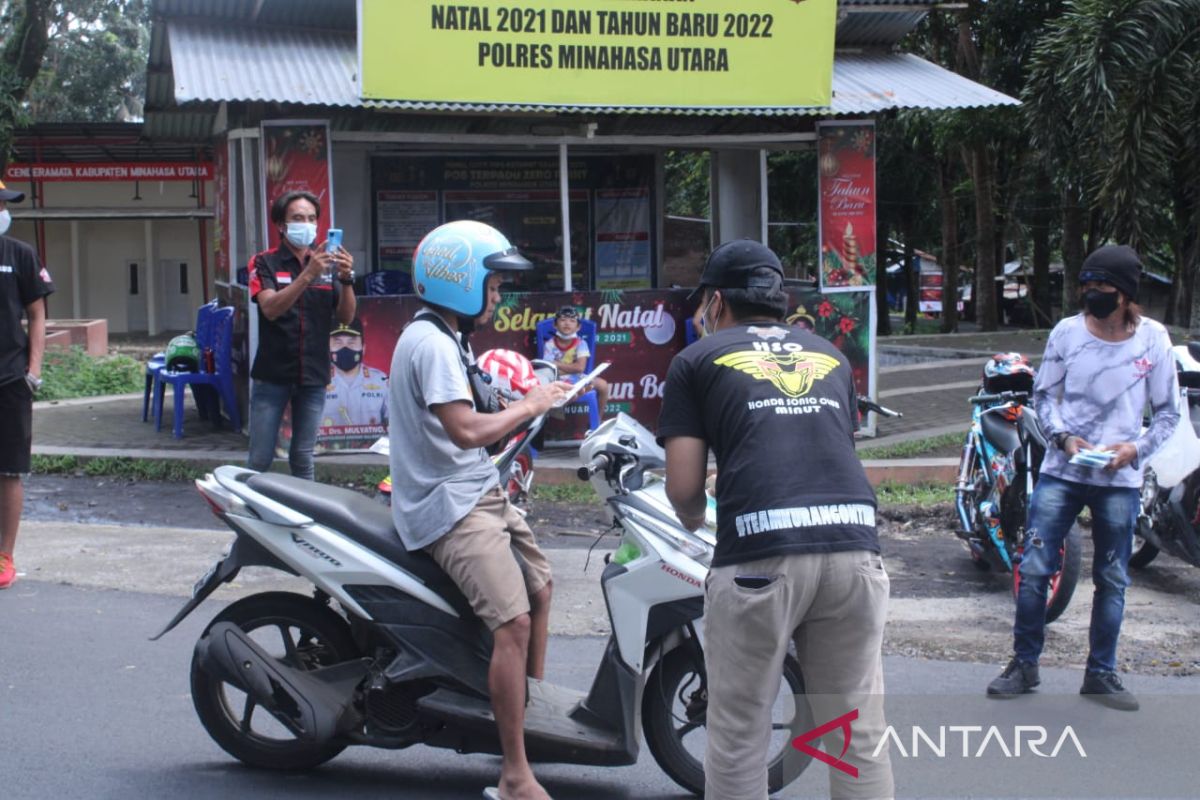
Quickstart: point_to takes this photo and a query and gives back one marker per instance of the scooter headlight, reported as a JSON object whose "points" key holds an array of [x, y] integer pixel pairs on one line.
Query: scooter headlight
{"points": [[691, 547]]}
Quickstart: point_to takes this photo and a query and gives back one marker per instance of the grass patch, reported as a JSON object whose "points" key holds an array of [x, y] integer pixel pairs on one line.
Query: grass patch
{"points": [[889, 493], [913, 449], [180, 471], [564, 493], [128, 468], [71, 372]]}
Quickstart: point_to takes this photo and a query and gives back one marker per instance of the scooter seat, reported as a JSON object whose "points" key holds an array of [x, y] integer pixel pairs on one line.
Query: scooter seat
{"points": [[361, 519]]}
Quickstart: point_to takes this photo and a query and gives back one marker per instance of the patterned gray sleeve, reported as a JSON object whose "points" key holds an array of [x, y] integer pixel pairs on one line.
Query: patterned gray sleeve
{"points": [[1164, 401], [1048, 388]]}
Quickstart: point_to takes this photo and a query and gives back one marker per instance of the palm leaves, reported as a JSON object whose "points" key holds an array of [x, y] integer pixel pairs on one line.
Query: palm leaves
{"points": [[1113, 99]]}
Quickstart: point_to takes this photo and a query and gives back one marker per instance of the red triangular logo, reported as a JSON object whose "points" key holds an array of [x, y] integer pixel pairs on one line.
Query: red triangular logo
{"points": [[843, 722]]}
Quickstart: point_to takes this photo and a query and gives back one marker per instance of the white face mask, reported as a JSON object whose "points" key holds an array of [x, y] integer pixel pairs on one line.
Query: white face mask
{"points": [[5, 221], [704, 326], [301, 234]]}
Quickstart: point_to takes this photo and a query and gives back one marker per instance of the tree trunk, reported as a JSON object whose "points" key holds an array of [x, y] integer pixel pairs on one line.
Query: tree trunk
{"points": [[22, 54], [1041, 249], [1074, 216], [949, 208], [1186, 243], [883, 319], [912, 271], [982, 175]]}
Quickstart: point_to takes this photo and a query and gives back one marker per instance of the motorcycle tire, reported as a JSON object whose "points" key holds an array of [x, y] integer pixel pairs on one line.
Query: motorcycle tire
{"points": [[1143, 552], [318, 638], [1062, 583], [666, 723]]}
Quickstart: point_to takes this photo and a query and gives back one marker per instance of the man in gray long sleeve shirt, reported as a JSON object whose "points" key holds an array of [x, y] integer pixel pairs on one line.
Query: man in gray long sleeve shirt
{"points": [[1101, 369]]}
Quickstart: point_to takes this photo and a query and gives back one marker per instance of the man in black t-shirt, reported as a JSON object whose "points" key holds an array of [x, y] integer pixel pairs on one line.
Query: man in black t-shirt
{"points": [[797, 555], [24, 284]]}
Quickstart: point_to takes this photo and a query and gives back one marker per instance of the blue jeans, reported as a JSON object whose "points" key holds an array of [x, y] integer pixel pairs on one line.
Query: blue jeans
{"points": [[267, 402], [1055, 505]]}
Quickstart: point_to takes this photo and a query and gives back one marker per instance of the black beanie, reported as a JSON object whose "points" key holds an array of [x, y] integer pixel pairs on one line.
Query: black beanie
{"points": [[1114, 264]]}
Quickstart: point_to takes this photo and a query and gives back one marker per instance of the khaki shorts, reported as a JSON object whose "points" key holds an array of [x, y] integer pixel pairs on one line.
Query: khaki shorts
{"points": [[492, 556]]}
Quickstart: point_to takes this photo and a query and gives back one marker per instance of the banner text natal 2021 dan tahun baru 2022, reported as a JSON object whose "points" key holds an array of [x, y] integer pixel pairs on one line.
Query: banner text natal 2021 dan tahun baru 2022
{"points": [[600, 53]]}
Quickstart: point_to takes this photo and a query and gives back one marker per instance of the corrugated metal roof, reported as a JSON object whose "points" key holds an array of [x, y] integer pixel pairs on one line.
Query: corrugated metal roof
{"points": [[877, 29], [864, 83], [333, 14], [213, 63], [222, 62]]}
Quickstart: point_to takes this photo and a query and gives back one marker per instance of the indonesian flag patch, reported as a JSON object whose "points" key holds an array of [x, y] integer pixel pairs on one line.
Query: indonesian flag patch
{"points": [[45, 276]]}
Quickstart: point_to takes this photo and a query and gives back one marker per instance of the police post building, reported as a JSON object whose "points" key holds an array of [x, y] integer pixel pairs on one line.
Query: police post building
{"points": [[551, 120]]}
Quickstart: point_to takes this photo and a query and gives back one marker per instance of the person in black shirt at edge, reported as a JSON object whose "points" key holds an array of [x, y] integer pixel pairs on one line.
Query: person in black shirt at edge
{"points": [[24, 285], [296, 311], [797, 554]]}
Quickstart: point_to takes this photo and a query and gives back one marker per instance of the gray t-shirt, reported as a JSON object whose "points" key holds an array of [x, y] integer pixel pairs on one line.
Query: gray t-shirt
{"points": [[434, 482], [1099, 390]]}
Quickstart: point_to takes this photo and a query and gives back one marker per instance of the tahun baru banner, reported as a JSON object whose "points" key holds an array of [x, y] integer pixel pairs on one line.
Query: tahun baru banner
{"points": [[846, 169], [612, 53]]}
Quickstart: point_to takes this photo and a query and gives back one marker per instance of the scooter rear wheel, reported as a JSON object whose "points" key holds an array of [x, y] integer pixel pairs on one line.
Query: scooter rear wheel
{"points": [[301, 633], [673, 719]]}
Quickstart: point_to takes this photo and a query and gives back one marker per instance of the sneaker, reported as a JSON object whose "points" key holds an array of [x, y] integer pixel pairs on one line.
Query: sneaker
{"points": [[1017, 678], [1106, 688], [8, 571]]}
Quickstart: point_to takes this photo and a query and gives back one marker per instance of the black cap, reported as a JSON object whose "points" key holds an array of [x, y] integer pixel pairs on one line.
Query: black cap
{"points": [[1115, 264], [732, 265], [9, 196], [567, 312], [351, 328]]}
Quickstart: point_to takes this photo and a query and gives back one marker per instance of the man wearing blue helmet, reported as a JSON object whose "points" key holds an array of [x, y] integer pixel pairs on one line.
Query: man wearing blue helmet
{"points": [[446, 492]]}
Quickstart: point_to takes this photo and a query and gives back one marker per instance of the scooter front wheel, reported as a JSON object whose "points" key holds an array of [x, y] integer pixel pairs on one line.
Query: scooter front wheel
{"points": [[301, 633], [673, 719]]}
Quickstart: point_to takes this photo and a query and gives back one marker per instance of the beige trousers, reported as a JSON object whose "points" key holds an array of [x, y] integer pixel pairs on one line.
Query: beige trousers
{"points": [[833, 606]]}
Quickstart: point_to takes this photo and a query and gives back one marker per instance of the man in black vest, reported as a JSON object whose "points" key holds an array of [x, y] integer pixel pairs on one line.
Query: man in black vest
{"points": [[296, 309]]}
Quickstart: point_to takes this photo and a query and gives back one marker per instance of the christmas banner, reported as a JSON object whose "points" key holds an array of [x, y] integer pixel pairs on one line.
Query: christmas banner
{"points": [[846, 166], [639, 332], [296, 158]]}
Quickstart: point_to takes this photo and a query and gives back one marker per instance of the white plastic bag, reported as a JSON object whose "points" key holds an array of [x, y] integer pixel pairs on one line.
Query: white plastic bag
{"points": [[1180, 454]]}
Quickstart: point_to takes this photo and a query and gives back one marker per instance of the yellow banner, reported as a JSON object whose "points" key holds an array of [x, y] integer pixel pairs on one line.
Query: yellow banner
{"points": [[628, 53]]}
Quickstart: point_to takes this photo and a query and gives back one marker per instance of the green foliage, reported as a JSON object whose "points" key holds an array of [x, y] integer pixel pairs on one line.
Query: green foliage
{"points": [[913, 449], [579, 493], [125, 468], [687, 182], [95, 65], [919, 494], [73, 373]]}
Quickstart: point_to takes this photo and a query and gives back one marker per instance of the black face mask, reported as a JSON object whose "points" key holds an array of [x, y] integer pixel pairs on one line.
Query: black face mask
{"points": [[345, 358], [1100, 304]]}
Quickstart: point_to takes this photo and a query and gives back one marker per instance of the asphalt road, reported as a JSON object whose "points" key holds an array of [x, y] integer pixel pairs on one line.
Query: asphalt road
{"points": [[90, 708]]}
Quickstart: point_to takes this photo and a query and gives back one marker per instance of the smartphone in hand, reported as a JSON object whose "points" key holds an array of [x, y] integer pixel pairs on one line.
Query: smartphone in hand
{"points": [[333, 240]]}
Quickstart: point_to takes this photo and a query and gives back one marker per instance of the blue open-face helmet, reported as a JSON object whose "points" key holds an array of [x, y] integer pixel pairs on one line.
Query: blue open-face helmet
{"points": [[453, 261]]}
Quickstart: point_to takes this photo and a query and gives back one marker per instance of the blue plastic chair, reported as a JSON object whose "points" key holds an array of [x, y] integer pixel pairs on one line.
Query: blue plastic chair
{"points": [[203, 332], [220, 380], [689, 332], [588, 401]]}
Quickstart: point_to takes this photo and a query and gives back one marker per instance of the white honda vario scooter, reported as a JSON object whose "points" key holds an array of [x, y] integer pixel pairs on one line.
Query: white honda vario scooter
{"points": [[386, 651]]}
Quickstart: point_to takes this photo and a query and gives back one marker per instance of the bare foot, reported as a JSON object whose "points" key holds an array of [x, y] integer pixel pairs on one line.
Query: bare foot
{"points": [[521, 787]]}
